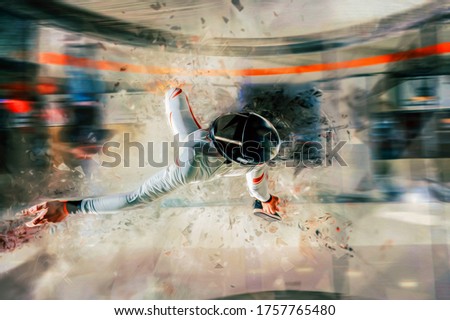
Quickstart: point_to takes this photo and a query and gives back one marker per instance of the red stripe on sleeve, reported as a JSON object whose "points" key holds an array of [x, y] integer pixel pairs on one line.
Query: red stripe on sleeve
{"points": [[192, 114], [176, 92], [259, 179]]}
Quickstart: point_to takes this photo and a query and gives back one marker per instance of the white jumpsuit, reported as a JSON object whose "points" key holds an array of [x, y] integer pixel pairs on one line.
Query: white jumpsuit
{"points": [[200, 161]]}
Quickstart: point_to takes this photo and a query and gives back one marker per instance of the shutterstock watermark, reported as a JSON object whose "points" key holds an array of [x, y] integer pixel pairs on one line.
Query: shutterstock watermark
{"points": [[201, 152]]}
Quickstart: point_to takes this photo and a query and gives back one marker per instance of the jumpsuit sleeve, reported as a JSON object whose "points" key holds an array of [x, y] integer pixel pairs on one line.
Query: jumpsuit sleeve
{"points": [[257, 183], [157, 186]]}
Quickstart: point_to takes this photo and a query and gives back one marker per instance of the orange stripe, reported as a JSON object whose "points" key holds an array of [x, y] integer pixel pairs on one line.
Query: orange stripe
{"points": [[65, 60], [259, 179], [192, 114], [61, 59], [170, 120], [65, 208]]}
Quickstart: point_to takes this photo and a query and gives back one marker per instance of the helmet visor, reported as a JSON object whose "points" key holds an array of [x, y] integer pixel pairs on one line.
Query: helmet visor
{"points": [[245, 138], [260, 139]]}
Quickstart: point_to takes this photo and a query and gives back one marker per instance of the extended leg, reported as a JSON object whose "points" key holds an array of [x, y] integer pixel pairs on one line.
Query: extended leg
{"points": [[179, 112]]}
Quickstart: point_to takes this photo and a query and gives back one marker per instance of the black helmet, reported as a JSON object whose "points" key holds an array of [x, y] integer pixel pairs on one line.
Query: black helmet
{"points": [[246, 138]]}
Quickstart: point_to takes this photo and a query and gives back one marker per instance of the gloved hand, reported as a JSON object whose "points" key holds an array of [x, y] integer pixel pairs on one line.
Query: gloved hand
{"points": [[271, 206], [268, 210], [50, 211]]}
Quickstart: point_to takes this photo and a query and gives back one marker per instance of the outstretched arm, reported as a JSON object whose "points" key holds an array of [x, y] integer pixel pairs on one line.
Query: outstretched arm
{"points": [[160, 184], [157, 186]]}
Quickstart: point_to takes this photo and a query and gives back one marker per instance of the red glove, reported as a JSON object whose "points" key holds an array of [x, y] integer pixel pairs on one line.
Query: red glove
{"points": [[271, 205], [51, 211]]}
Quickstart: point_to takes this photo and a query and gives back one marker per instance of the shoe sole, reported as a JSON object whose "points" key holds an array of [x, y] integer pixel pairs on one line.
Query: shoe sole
{"points": [[267, 216]]}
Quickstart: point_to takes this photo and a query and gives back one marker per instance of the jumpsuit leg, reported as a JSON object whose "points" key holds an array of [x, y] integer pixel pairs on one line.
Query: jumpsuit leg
{"points": [[179, 113]]}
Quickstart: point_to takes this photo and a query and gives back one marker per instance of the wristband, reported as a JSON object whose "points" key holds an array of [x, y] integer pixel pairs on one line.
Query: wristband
{"points": [[72, 207], [270, 199]]}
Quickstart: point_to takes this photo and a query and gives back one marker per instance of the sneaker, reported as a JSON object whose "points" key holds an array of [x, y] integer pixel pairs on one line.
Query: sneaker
{"points": [[258, 211]]}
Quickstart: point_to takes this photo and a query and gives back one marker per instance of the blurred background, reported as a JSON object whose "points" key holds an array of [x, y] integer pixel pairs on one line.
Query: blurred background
{"points": [[369, 80]]}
